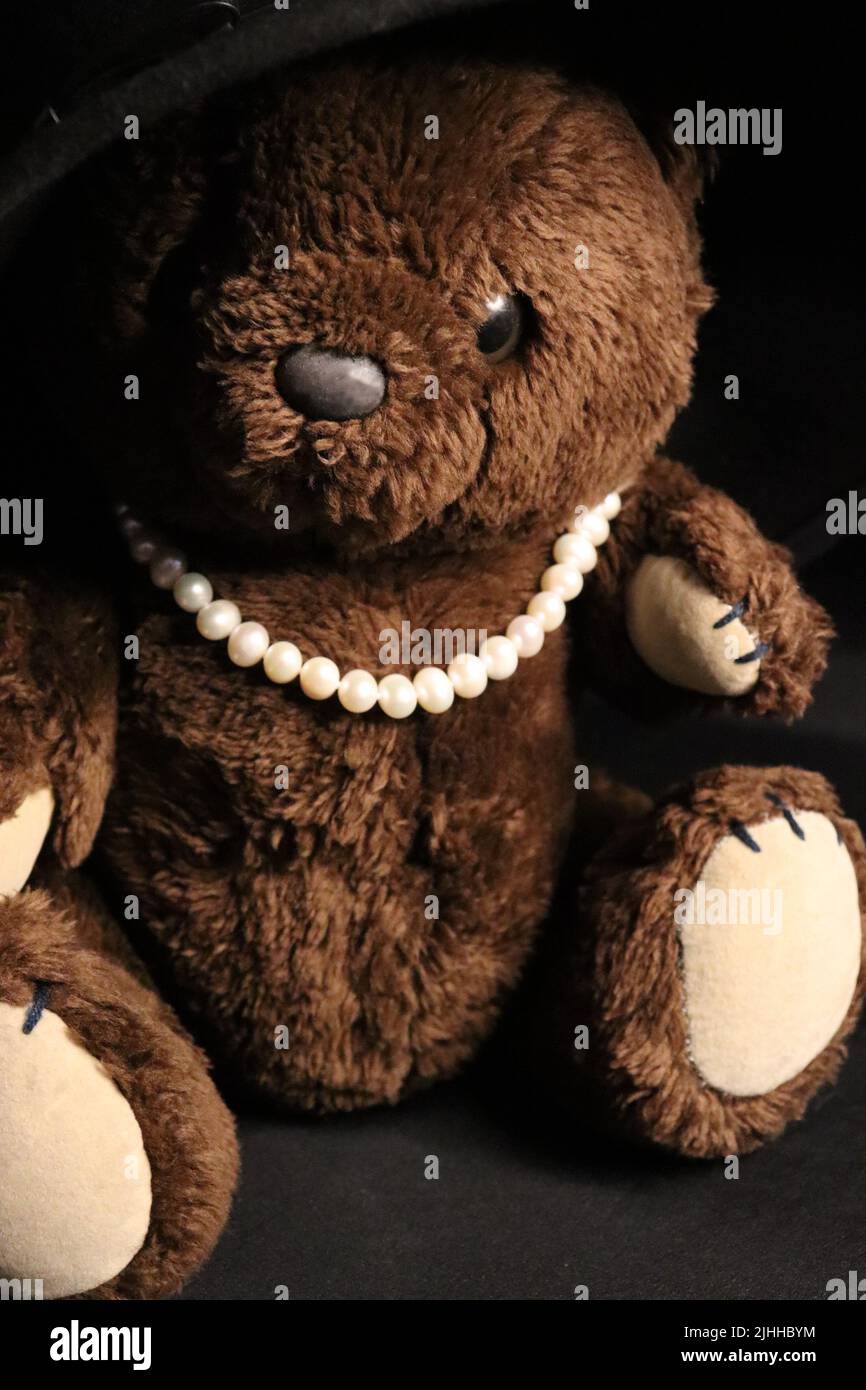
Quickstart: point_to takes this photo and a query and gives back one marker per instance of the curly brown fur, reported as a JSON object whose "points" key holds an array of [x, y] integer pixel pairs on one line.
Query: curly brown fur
{"points": [[58, 704]]}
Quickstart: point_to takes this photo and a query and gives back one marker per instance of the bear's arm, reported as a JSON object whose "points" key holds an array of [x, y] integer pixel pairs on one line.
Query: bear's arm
{"points": [[58, 715], [689, 602]]}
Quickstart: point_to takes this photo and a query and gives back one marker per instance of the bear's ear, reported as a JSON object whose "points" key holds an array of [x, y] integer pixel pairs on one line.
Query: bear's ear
{"points": [[687, 169], [147, 199], [152, 204]]}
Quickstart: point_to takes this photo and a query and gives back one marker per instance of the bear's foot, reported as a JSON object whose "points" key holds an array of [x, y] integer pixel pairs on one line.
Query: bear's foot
{"points": [[118, 1158], [720, 966]]}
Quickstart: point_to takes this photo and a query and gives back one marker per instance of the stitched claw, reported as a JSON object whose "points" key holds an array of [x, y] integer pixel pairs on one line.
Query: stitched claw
{"points": [[738, 829], [37, 1007], [788, 814], [736, 612], [760, 650]]}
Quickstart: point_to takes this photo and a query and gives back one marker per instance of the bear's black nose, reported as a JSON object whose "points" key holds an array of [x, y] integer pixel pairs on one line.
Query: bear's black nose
{"points": [[324, 384]]}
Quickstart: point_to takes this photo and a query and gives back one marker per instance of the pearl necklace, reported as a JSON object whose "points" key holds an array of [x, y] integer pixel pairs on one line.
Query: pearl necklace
{"points": [[433, 689]]}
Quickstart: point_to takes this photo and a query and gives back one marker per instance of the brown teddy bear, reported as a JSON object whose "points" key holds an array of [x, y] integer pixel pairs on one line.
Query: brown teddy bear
{"points": [[350, 375]]}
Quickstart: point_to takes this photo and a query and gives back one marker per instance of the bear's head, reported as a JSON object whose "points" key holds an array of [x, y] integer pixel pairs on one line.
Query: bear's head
{"points": [[417, 302]]}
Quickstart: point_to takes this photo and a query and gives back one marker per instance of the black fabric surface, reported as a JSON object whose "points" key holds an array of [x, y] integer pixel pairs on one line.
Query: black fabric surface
{"points": [[341, 1210]]}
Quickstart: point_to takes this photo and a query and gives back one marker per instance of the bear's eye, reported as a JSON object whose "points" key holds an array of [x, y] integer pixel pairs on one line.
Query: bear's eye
{"points": [[500, 332]]}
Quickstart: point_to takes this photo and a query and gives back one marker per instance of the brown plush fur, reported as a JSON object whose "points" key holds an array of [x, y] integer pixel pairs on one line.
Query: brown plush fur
{"points": [[58, 704], [305, 907]]}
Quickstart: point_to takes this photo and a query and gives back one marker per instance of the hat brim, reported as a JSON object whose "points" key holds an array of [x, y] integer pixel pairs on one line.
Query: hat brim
{"points": [[263, 41]]}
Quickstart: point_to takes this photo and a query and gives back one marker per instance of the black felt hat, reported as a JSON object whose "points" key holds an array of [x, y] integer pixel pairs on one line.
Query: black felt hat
{"points": [[72, 70]]}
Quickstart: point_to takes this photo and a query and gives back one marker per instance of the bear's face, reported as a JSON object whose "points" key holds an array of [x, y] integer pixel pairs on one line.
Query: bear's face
{"points": [[499, 249]]}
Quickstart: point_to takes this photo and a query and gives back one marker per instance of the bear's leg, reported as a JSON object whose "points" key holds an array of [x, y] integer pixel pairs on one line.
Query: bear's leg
{"points": [[118, 1158], [716, 968]]}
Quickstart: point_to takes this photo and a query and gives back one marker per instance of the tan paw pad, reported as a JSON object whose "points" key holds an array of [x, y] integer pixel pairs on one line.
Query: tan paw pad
{"points": [[686, 635], [21, 839], [771, 955], [75, 1188]]}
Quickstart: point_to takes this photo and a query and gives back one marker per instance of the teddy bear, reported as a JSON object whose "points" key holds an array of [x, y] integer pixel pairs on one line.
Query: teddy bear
{"points": [[340, 369]]}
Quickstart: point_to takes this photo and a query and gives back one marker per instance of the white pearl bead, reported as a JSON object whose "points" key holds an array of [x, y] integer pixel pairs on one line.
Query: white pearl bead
{"points": [[397, 696], [218, 619], [499, 655], [562, 579], [248, 644], [358, 691], [282, 662], [611, 505], [166, 567], [595, 527], [192, 591], [577, 551], [527, 634], [129, 525], [564, 547], [468, 675], [142, 547], [548, 608], [434, 690], [320, 677], [571, 521]]}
